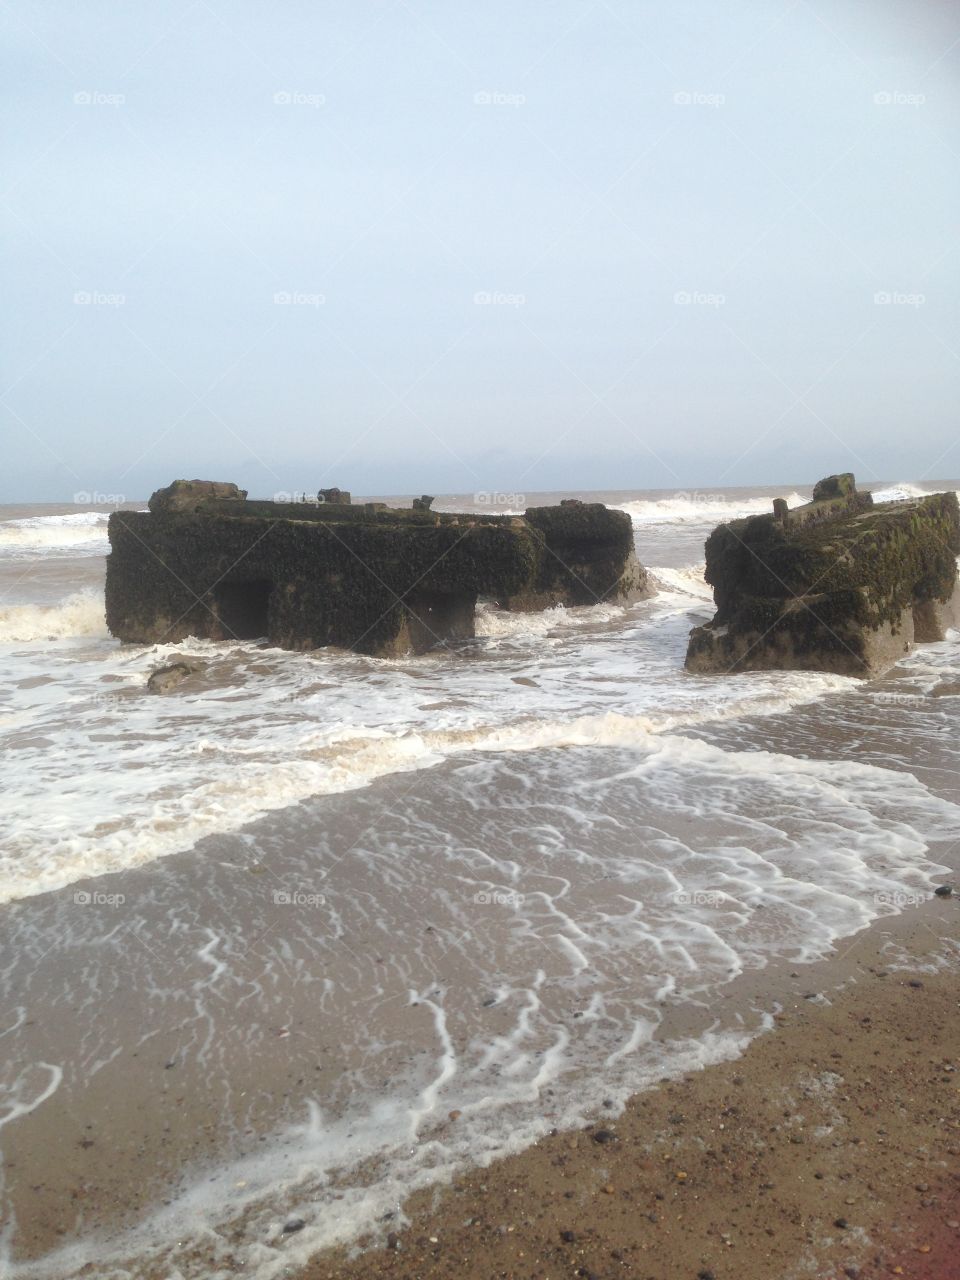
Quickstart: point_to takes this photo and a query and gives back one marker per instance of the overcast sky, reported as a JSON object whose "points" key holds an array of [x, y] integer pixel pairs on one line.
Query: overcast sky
{"points": [[446, 245]]}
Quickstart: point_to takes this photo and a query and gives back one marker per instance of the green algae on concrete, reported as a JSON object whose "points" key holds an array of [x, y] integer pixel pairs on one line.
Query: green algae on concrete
{"points": [[840, 585], [206, 561]]}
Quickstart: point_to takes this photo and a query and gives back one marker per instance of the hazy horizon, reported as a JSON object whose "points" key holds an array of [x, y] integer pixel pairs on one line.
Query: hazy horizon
{"points": [[410, 246]]}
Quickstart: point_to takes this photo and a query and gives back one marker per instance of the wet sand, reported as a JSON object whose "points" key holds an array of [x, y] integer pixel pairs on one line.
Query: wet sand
{"points": [[830, 1148]]}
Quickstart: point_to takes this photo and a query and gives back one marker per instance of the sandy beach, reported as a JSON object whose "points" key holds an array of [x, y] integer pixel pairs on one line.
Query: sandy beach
{"points": [[829, 1149]]}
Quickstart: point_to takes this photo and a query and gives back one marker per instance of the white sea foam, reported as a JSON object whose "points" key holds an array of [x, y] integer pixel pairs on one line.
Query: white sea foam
{"points": [[81, 614], [778, 856], [688, 581], [77, 533], [699, 507], [898, 492]]}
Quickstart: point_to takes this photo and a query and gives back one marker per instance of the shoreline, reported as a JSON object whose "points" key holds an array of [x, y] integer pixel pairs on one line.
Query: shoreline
{"points": [[848, 1111]]}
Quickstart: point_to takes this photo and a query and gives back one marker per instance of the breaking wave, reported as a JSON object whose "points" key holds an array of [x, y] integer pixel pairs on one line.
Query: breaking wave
{"points": [[80, 614], [80, 532]]}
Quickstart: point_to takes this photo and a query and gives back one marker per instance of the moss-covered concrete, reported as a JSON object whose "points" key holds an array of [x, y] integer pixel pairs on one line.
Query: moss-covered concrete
{"points": [[844, 592], [216, 565]]}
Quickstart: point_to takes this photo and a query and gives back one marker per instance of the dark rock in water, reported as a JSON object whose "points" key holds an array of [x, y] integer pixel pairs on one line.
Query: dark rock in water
{"points": [[166, 678], [604, 1135], [295, 1224], [393, 1240], [571, 502], [943, 890], [838, 585], [190, 495], [424, 503], [205, 561], [838, 486]]}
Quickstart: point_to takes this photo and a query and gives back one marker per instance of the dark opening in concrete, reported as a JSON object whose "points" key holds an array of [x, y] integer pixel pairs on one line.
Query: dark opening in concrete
{"points": [[243, 608]]}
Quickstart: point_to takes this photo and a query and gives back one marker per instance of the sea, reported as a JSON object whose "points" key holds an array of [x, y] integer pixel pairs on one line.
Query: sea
{"points": [[315, 930]]}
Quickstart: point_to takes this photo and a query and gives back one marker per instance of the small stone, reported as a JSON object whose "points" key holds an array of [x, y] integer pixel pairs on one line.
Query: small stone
{"points": [[568, 1237], [943, 890], [455, 1115], [851, 1271], [915, 982], [841, 1223], [705, 1275], [393, 1240], [681, 1176], [295, 1224], [604, 1135], [608, 1190]]}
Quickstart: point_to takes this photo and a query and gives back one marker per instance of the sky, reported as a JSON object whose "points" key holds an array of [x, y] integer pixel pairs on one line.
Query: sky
{"points": [[444, 246]]}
